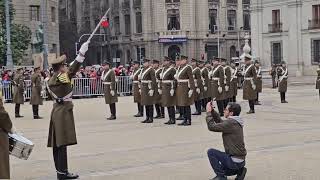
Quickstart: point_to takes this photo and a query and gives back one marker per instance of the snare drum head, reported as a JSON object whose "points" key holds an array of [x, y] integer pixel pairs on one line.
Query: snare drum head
{"points": [[20, 146]]}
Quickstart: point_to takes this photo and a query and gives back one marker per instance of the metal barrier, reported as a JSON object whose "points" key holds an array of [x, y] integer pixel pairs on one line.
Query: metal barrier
{"points": [[82, 87]]}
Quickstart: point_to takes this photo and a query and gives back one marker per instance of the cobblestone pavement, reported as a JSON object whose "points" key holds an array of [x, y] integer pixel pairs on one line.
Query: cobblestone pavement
{"points": [[282, 140]]}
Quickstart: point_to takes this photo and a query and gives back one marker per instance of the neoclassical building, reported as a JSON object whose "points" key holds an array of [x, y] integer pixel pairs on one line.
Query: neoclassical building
{"points": [[287, 30], [157, 28]]}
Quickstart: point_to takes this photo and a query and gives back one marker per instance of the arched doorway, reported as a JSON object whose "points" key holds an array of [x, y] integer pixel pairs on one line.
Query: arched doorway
{"points": [[173, 51]]}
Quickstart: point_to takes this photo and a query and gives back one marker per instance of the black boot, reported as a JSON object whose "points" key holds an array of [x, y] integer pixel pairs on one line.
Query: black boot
{"points": [[220, 104], [17, 111], [140, 111], [251, 105], [113, 112], [150, 119], [171, 112], [61, 162], [157, 106], [162, 112], [35, 109], [198, 108], [241, 174]]}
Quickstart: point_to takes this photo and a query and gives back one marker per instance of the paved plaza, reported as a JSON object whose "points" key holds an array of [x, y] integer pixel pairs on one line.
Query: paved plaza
{"points": [[282, 140]]}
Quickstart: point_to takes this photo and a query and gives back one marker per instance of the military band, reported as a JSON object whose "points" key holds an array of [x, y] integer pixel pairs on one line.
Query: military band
{"points": [[108, 78]]}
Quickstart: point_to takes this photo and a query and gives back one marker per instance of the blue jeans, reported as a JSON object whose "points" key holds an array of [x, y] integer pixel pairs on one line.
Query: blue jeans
{"points": [[222, 164]]}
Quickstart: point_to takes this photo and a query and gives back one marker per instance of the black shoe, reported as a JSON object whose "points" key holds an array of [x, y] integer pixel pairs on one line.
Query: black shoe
{"points": [[180, 118], [241, 174], [185, 123], [67, 176], [37, 117], [203, 110], [145, 121], [196, 113], [284, 101], [162, 116], [170, 122], [257, 103], [149, 121], [251, 112], [138, 115], [112, 117], [219, 178], [157, 117], [18, 116]]}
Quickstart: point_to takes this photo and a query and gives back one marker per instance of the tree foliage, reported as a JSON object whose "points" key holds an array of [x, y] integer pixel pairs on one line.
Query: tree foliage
{"points": [[20, 36]]}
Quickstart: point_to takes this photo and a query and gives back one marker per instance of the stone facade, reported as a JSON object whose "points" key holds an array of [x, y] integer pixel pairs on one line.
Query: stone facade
{"points": [[167, 27], [29, 13], [287, 30]]}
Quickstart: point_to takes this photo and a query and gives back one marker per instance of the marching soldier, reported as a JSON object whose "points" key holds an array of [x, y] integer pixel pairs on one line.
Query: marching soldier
{"points": [[249, 86], [283, 81], [62, 127], [185, 89], [273, 73], [206, 84], [217, 84], [198, 94], [258, 81], [18, 94], [227, 81], [318, 80], [157, 93], [136, 87], [234, 81], [148, 87], [168, 96], [36, 93], [108, 78], [5, 128]]}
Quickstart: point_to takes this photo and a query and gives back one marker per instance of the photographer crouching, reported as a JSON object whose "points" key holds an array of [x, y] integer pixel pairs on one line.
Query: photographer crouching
{"points": [[232, 161]]}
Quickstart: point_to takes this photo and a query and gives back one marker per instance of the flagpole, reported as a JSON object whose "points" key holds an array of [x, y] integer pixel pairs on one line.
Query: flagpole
{"points": [[98, 25]]}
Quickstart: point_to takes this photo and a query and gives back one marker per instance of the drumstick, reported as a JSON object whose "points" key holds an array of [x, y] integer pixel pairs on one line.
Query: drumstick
{"points": [[97, 27]]}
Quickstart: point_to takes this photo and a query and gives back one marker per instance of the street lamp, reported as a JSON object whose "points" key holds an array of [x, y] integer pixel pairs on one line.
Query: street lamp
{"points": [[241, 28]]}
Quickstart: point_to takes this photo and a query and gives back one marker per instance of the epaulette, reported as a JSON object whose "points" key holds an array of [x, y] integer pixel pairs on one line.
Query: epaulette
{"points": [[63, 78]]}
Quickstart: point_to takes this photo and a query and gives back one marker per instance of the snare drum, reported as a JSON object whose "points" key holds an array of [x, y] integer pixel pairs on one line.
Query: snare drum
{"points": [[20, 146]]}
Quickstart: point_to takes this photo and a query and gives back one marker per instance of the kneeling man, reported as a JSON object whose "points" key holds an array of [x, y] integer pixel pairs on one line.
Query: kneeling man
{"points": [[232, 161]]}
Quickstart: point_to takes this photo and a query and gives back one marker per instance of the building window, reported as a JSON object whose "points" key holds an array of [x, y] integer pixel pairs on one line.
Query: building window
{"points": [[53, 14], [246, 2], [174, 52], [54, 49], [232, 20], [315, 51], [276, 16], [35, 13], [213, 20], [315, 22], [173, 19], [172, 1], [232, 2], [233, 52], [212, 51], [246, 20], [117, 25], [127, 22], [138, 22], [141, 53], [276, 54]]}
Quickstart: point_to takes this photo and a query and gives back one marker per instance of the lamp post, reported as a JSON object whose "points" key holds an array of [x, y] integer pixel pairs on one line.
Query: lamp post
{"points": [[241, 28], [9, 52]]}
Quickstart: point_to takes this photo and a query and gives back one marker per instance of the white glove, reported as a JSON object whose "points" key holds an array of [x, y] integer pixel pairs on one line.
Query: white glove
{"points": [[220, 89], [42, 93], [176, 76], [151, 92], [190, 93], [205, 89], [112, 92], [24, 92], [227, 88], [84, 48], [171, 92], [13, 130], [198, 90], [159, 91], [140, 91], [254, 87]]}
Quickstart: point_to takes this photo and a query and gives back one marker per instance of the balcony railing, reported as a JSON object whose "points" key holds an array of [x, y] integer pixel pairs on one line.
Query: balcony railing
{"points": [[314, 24], [232, 2], [275, 28], [214, 1]]}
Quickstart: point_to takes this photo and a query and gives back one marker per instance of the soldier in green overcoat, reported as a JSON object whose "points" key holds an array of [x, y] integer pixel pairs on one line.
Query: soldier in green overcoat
{"points": [[283, 81], [258, 81], [136, 87], [158, 91], [62, 131], [18, 93], [108, 78], [198, 94], [36, 93], [205, 82]]}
